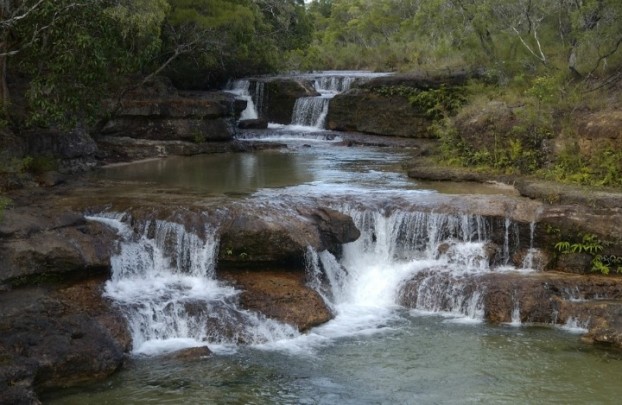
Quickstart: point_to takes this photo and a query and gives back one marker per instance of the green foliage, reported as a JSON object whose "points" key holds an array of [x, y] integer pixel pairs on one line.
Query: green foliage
{"points": [[199, 137], [40, 164], [4, 203], [439, 103], [218, 39], [76, 51], [590, 244], [604, 168]]}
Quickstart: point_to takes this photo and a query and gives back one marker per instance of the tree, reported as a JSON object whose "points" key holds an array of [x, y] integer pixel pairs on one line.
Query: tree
{"points": [[74, 51]]}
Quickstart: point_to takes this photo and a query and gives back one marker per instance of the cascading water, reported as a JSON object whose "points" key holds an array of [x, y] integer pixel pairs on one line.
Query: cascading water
{"points": [[241, 90], [428, 261], [310, 112], [333, 84], [163, 281]]}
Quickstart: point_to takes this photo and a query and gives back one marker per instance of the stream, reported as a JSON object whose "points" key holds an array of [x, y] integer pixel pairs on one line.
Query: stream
{"points": [[374, 350]]}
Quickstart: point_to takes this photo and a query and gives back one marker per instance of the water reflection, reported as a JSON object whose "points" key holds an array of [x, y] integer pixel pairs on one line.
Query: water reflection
{"points": [[216, 174]]}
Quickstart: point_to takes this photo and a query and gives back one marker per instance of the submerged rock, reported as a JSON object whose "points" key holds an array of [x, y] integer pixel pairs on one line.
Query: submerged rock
{"points": [[193, 353]]}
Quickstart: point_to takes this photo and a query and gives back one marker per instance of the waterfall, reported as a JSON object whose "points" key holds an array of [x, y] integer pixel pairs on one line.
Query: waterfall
{"points": [[241, 90], [163, 279], [427, 261], [310, 112], [258, 96], [163, 282], [333, 84]]}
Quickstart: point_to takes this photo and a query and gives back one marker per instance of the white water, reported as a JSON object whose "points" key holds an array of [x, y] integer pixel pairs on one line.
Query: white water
{"points": [[241, 90], [333, 84], [438, 254], [163, 281], [310, 112]]}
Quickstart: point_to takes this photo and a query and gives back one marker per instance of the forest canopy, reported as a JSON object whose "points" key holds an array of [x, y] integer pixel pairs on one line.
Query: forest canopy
{"points": [[63, 56]]}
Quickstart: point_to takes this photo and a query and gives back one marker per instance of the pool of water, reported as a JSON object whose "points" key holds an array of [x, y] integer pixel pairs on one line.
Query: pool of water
{"points": [[412, 360], [314, 163]]}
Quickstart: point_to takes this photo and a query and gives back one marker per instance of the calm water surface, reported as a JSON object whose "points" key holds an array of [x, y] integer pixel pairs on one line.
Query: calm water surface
{"points": [[415, 360]]}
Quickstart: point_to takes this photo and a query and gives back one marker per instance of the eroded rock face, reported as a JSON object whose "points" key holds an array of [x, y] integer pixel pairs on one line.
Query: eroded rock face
{"points": [[363, 110], [600, 131], [373, 107], [74, 151], [194, 118], [281, 295], [156, 120], [43, 248], [551, 298]]}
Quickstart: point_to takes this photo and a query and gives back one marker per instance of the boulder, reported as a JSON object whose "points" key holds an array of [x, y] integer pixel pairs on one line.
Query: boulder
{"points": [[190, 354], [262, 236], [37, 249], [373, 107], [363, 110], [281, 295], [53, 339]]}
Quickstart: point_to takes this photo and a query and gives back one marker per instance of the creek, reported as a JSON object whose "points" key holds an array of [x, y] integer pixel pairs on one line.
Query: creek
{"points": [[439, 350]]}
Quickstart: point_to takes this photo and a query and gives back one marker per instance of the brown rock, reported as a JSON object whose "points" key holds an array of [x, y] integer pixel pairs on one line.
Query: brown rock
{"points": [[281, 295], [191, 354], [362, 110], [276, 236], [44, 256]]}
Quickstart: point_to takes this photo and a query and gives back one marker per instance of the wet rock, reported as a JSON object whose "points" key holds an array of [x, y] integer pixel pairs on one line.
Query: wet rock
{"points": [[280, 96], [50, 255], [191, 354], [280, 295], [594, 302], [580, 263], [56, 338], [270, 236], [259, 123], [605, 323]]}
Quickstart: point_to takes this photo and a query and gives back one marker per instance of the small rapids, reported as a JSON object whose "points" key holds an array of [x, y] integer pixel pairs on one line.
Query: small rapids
{"points": [[163, 281]]}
